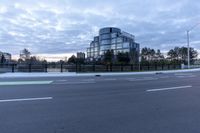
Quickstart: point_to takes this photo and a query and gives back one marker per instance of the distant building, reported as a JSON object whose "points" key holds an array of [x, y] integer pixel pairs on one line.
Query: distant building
{"points": [[1, 59], [80, 55], [5, 57], [1, 53], [111, 38], [65, 59]]}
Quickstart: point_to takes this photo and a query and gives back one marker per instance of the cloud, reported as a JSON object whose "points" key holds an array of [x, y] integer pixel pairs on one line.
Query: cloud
{"points": [[68, 26]]}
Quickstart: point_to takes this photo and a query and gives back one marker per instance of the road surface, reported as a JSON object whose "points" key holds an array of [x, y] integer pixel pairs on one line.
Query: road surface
{"points": [[162, 103]]}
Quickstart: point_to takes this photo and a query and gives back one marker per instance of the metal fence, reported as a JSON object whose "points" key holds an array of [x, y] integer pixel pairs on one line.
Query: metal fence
{"points": [[83, 68]]}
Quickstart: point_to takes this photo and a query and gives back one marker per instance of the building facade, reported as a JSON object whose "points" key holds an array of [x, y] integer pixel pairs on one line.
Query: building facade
{"points": [[111, 38], [5, 57], [80, 55]]}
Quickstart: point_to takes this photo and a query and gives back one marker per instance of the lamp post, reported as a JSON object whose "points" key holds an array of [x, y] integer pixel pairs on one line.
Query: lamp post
{"points": [[188, 42], [188, 48]]}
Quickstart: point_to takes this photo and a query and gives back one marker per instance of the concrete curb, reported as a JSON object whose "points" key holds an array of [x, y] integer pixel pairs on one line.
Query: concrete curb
{"points": [[36, 75]]}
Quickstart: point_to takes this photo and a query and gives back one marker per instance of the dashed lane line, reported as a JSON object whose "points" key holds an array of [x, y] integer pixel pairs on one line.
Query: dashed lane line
{"points": [[26, 99], [170, 88]]}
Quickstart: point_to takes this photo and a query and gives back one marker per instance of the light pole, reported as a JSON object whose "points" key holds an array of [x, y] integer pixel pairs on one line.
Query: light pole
{"points": [[188, 42], [188, 48]]}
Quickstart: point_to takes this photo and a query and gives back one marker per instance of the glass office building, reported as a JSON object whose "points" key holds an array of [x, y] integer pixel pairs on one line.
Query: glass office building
{"points": [[111, 38]]}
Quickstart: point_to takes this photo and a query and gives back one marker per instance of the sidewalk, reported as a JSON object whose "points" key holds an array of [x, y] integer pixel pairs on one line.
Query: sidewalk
{"points": [[71, 74]]}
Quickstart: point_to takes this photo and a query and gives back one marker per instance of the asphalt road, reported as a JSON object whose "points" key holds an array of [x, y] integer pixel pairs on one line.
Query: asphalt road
{"points": [[162, 103]]}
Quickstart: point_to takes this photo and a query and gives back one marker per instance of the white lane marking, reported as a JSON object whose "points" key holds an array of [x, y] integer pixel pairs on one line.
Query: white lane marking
{"points": [[170, 88], [74, 83], [25, 83], [26, 99]]}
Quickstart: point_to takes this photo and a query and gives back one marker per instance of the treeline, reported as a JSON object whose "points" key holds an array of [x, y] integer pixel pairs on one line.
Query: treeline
{"points": [[148, 56], [177, 55], [107, 58]]}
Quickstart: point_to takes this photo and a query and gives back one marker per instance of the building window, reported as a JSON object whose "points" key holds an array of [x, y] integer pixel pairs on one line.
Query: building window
{"points": [[125, 50], [126, 45], [119, 46], [114, 35], [113, 41], [96, 44], [96, 39], [102, 52], [96, 49], [119, 40], [105, 47], [113, 46], [105, 36], [104, 31], [105, 42], [92, 44]]}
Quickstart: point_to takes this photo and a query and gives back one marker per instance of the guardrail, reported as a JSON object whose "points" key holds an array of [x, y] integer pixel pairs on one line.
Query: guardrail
{"points": [[62, 67]]}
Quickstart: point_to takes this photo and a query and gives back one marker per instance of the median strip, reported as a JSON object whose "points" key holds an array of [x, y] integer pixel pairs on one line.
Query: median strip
{"points": [[26, 99], [171, 88], [25, 83]]}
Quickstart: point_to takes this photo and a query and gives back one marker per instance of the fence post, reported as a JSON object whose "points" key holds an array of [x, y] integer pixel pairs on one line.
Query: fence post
{"points": [[131, 67], [140, 67], [13, 68], [106, 67], [46, 67], [111, 67], [122, 69], [156, 67], [93, 68], [168, 66], [61, 67], [76, 67], [79, 67], [148, 66], [174, 66], [29, 68]]}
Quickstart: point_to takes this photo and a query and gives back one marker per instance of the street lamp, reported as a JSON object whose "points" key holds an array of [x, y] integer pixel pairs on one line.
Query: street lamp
{"points": [[188, 42]]}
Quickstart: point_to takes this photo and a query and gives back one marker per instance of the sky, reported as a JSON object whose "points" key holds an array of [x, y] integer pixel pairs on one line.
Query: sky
{"points": [[59, 28]]}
